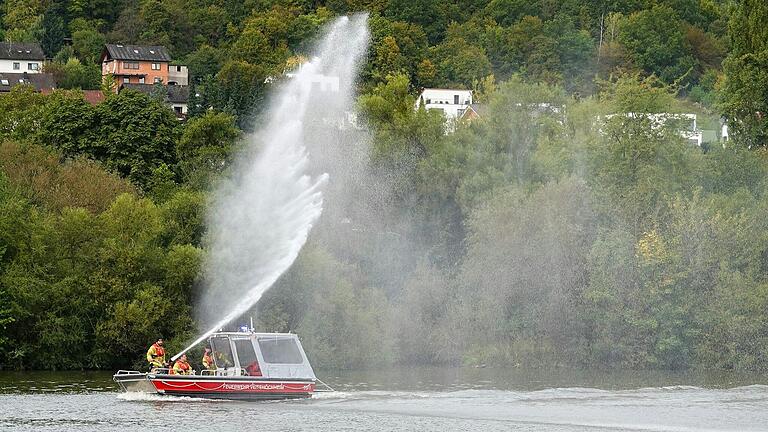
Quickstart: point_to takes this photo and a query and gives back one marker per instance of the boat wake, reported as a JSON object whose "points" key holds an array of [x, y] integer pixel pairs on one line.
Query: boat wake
{"points": [[154, 397]]}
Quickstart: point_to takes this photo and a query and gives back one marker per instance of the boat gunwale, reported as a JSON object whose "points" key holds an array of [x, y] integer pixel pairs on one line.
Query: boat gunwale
{"points": [[176, 377]]}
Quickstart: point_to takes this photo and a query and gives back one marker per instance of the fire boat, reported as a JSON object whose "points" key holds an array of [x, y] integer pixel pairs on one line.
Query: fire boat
{"points": [[249, 366]]}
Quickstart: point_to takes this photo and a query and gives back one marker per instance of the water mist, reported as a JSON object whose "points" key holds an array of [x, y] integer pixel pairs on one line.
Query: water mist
{"points": [[262, 216]]}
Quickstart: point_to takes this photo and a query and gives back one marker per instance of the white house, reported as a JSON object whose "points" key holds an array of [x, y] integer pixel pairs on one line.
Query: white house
{"points": [[452, 102], [684, 123], [21, 57], [178, 75]]}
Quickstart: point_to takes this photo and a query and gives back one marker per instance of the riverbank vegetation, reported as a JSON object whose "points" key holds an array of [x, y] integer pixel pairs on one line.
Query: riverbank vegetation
{"points": [[563, 227]]}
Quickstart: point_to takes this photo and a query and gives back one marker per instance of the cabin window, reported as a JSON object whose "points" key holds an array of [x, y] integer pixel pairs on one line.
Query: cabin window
{"points": [[280, 350], [222, 352], [247, 356]]}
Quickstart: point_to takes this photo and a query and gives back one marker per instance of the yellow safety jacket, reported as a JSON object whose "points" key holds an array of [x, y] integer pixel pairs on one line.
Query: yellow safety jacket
{"points": [[156, 355], [208, 362], [181, 368]]}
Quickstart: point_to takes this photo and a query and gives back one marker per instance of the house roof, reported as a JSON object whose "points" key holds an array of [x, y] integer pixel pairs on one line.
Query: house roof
{"points": [[135, 52], [40, 81], [21, 51], [173, 93], [480, 109]]}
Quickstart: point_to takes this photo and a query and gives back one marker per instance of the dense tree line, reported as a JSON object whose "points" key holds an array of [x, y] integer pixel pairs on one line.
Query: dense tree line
{"points": [[232, 47], [558, 229]]}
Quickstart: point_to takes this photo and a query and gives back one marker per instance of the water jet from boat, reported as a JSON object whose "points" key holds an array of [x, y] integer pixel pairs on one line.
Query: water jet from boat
{"points": [[263, 214]]}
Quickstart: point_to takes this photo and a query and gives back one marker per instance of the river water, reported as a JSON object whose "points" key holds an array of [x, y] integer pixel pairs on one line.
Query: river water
{"points": [[408, 400]]}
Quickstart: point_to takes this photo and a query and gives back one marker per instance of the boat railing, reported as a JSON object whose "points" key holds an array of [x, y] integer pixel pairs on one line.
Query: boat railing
{"points": [[128, 372]]}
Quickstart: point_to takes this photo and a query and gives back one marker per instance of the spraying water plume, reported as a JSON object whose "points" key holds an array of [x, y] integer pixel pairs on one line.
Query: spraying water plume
{"points": [[263, 215]]}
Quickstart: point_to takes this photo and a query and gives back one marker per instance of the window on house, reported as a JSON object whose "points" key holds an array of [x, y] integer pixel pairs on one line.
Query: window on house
{"points": [[131, 65], [177, 109], [33, 66], [178, 68], [16, 65], [429, 101], [455, 99], [126, 80], [155, 66], [141, 80], [158, 80]]}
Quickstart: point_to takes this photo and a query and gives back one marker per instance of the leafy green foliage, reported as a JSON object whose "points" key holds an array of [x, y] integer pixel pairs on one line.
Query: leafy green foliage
{"points": [[554, 229], [136, 134]]}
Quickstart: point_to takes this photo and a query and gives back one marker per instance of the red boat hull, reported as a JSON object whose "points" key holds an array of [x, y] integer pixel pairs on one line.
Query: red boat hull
{"points": [[231, 387]]}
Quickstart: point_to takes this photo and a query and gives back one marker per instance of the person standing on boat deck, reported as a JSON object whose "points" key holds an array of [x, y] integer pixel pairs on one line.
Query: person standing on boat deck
{"points": [[156, 355], [208, 360], [181, 367]]}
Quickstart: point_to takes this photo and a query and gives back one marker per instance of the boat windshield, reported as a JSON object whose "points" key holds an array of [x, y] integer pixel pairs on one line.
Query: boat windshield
{"points": [[280, 350], [222, 352]]}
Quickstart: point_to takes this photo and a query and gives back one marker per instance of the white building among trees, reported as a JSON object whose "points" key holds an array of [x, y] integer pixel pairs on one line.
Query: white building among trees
{"points": [[452, 102], [21, 57]]}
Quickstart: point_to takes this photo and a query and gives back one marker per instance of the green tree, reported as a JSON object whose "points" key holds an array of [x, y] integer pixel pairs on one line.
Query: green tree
{"points": [[745, 94], [75, 75], [53, 31], [136, 134], [206, 145], [19, 111], [655, 40], [88, 45], [459, 63]]}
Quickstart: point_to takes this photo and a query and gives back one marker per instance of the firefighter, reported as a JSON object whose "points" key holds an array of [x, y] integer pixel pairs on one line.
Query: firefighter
{"points": [[181, 367], [156, 355], [208, 363], [253, 369]]}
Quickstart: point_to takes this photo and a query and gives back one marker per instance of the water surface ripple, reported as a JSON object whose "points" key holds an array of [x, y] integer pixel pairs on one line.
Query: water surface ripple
{"points": [[405, 400]]}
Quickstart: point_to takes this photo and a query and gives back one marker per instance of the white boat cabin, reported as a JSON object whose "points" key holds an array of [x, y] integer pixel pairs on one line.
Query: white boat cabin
{"points": [[268, 355]]}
